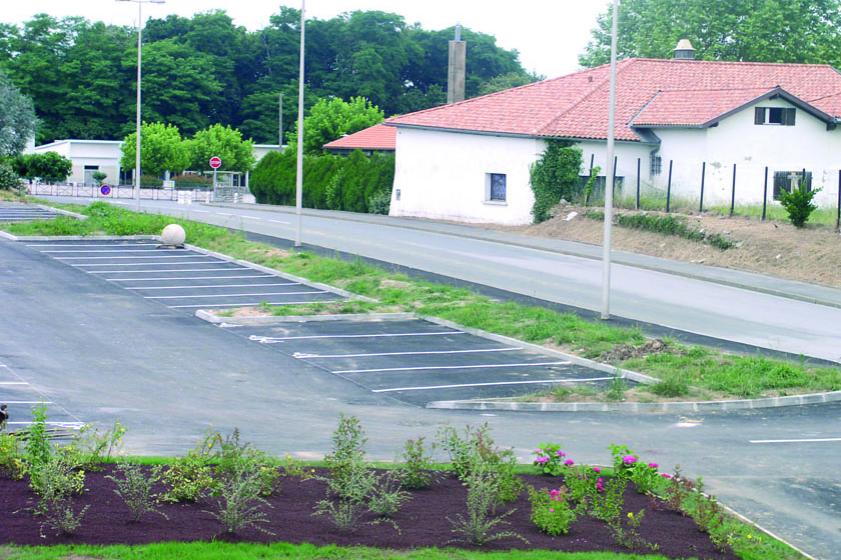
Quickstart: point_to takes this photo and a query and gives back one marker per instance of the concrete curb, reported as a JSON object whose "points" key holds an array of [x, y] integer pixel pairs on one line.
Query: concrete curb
{"points": [[267, 270], [760, 528], [619, 257], [63, 212], [654, 408], [275, 320], [11, 237]]}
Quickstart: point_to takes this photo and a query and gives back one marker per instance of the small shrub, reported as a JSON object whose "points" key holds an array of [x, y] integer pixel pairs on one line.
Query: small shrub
{"points": [[346, 515], [11, 457], [379, 202], [349, 477], [90, 448], [626, 533], [240, 503], [294, 467], [705, 509], [415, 471], [677, 489], [798, 204], [189, 477], [616, 390], [135, 488], [480, 525], [233, 457], [386, 497], [671, 386], [56, 485], [582, 485], [9, 180], [99, 177], [549, 459], [609, 499], [551, 511], [627, 464]]}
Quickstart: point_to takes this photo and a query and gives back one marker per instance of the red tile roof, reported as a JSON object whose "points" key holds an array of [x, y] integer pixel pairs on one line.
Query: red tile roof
{"points": [[377, 137], [575, 106], [694, 107]]}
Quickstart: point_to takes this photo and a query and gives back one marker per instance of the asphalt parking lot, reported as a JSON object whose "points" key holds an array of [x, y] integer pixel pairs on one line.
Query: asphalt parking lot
{"points": [[181, 278], [22, 396], [419, 361], [14, 212]]}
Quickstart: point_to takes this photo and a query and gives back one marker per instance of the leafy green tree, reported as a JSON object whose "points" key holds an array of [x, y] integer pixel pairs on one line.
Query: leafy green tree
{"points": [[224, 142], [507, 81], [161, 149], [48, 166], [17, 119], [330, 119], [759, 30]]}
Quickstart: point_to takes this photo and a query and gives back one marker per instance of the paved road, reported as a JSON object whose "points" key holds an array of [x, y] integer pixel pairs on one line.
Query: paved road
{"points": [[100, 352], [682, 303]]}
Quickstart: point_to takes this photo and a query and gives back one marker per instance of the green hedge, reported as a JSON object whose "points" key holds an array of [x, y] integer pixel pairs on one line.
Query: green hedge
{"points": [[355, 183]]}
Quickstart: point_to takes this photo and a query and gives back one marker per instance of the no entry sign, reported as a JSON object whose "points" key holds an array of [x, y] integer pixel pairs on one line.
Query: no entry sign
{"points": [[105, 190], [215, 162]]}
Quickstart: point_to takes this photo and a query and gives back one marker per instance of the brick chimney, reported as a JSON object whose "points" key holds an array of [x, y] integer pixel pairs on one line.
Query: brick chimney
{"points": [[456, 68]]}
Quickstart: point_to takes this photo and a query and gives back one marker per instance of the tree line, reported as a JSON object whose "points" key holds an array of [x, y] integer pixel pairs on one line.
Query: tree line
{"points": [[206, 70]]}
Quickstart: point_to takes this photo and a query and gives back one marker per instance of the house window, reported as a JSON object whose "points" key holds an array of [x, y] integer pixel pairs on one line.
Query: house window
{"points": [[774, 115], [496, 187], [782, 181], [656, 165]]}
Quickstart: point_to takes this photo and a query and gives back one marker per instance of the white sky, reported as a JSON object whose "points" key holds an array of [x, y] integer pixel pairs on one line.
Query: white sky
{"points": [[549, 34]]}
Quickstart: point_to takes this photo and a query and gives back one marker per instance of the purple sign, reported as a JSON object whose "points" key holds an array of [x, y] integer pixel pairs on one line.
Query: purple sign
{"points": [[105, 190]]}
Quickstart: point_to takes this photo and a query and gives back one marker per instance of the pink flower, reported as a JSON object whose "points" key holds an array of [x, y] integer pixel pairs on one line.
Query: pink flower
{"points": [[629, 459], [665, 475], [560, 453], [554, 493], [542, 460], [569, 462], [597, 470], [600, 484], [551, 510], [653, 465]]}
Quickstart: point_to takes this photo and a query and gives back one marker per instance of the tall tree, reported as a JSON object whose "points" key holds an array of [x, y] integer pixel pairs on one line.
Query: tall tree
{"points": [[223, 142], [751, 30], [17, 119], [161, 149], [330, 119]]}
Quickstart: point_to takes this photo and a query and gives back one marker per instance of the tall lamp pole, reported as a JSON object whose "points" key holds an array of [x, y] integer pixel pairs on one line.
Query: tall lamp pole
{"points": [[299, 175], [137, 171], [610, 171]]}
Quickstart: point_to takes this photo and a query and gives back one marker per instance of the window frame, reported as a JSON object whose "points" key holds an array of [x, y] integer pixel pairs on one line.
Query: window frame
{"points": [[762, 116], [489, 188]]}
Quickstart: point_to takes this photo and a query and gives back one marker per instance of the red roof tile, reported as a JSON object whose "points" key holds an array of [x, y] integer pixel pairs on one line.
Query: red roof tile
{"points": [[575, 106], [377, 137], [693, 107]]}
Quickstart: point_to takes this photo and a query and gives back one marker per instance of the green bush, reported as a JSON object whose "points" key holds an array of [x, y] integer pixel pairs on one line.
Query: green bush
{"points": [[415, 472], [553, 177], [355, 183], [136, 488], [798, 204], [48, 166], [9, 180], [551, 511]]}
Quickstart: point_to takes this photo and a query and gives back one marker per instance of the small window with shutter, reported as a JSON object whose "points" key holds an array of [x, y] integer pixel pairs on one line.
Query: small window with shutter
{"points": [[781, 116]]}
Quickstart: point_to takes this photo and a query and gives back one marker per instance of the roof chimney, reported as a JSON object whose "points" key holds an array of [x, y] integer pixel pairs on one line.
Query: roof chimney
{"points": [[456, 68], [684, 50]]}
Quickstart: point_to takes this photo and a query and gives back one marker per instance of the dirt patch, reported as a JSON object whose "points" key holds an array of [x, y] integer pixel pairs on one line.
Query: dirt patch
{"points": [[624, 352], [241, 312], [422, 521], [388, 283], [810, 255]]}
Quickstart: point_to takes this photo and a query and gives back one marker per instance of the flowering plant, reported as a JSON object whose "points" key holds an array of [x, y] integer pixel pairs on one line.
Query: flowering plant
{"points": [[551, 511], [551, 460], [627, 464]]}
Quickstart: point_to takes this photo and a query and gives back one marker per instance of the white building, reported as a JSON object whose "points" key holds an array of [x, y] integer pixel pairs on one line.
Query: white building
{"points": [[89, 156], [470, 161]]}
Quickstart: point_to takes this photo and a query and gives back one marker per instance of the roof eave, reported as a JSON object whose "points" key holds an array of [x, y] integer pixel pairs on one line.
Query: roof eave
{"points": [[518, 135]]}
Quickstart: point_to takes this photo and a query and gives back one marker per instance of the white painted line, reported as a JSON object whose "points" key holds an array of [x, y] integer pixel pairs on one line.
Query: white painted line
{"points": [[812, 440], [214, 286], [225, 214], [88, 245], [253, 218], [170, 270], [480, 366], [28, 402], [272, 339], [74, 425], [199, 211], [13, 383], [150, 264], [279, 222], [187, 277], [183, 256], [236, 295], [303, 355], [147, 251], [251, 304], [428, 387]]}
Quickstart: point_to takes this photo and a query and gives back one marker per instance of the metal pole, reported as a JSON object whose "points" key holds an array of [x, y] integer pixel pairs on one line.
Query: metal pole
{"points": [[838, 214], [765, 195], [299, 176], [137, 170], [639, 160], [733, 192], [280, 121], [609, 174], [703, 179], [669, 190]]}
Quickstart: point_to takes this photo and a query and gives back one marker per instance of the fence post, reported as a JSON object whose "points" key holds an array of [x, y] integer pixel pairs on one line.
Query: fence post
{"points": [[703, 178], [638, 183], [838, 212], [765, 194], [669, 189], [733, 192], [592, 157]]}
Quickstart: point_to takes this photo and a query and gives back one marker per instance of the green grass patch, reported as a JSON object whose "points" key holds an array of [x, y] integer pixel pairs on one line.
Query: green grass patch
{"points": [[682, 369], [776, 213], [665, 225]]}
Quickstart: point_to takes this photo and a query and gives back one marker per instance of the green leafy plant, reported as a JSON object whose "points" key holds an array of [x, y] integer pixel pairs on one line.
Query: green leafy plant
{"points": [[550, 459], [798, 204], [608, 501], [554, 177], [616, 389], [233, 457], [9, 180], [240, 504], [12, 463], [345, 514], [627, 464], [677, 489], [386, 497], [590, 184], [551, 511], [89, 448], [99, 177], [57, 484], [415, 472], [189, 477], [481, 524], [135, 487], [349, 476]]}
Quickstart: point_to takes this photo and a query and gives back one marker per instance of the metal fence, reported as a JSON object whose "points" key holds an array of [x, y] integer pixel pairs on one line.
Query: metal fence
{"points": [[120, 192]]}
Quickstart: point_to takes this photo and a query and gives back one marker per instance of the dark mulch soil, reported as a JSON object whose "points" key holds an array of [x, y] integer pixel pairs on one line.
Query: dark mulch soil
{"points": [[422, 521]]}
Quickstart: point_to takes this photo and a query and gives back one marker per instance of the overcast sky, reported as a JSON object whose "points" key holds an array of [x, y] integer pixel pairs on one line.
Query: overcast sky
{"points": [[549, 34]]}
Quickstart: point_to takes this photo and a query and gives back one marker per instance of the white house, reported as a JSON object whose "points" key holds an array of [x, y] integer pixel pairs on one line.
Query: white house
{"points": [[470, 161], [89, 156]]}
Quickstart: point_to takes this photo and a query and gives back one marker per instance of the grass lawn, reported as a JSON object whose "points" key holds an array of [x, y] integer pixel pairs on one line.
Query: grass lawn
{"points": [[685, 370]]}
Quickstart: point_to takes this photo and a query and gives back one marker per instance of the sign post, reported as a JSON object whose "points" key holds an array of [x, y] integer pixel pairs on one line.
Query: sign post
{"points": [[215, 163]]}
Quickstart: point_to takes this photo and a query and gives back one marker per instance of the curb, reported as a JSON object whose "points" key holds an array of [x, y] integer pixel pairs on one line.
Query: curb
{"points": [[63, 212], [653, 408], [260, 321], [618, 256], [760, 528], [12, 237]]}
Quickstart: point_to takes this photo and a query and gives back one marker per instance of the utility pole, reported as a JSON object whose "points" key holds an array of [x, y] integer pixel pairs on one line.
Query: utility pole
{"points": [[610, 171], [280, 121], [299, 175]]}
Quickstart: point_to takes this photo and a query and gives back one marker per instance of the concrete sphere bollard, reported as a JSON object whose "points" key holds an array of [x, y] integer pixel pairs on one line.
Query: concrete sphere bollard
{"points": [[173, 234]]}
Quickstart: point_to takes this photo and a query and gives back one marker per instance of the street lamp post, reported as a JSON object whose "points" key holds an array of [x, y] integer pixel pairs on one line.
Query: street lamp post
{"points": [[299, 175], [137, 171], [610, 171]]}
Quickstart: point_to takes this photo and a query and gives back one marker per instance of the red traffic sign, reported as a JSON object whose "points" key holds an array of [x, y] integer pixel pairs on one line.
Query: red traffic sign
{"points": [[215, 162]]}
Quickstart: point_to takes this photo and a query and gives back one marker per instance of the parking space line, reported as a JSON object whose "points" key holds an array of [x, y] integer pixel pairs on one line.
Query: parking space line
{"points": [[172, 270], [28, 402], [59, 424], [224, 214], [216, 286], [475, 366], [147, 251], [151, 264], [234, 295], [244, 304], [429, 387], [302, 355], [86, 245], [253, 218], [13, 383], [279, 222], [200, 211], [186, 277], [811, 440], [132, 257], [273, 339]]}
